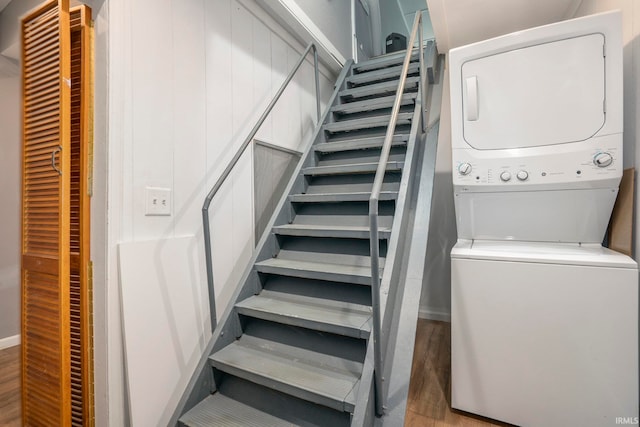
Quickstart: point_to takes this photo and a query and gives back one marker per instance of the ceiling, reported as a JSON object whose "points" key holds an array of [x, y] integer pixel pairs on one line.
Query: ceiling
{"points": [[460, 22]]}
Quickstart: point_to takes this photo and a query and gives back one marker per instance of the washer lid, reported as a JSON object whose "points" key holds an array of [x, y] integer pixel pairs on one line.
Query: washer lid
{"points": [[543, 253], [545, 94]]}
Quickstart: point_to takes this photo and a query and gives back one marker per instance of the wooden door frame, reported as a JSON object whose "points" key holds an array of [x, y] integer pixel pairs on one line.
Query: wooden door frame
{"points": [[85, 29]]}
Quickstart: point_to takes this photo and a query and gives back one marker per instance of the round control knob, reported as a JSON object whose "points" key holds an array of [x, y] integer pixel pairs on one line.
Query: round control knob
{"points": [[522, 175], [602, 160], [505, 176], [464, 168]]}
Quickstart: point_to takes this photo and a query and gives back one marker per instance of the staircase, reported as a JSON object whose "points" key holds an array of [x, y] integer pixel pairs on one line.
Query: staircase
{"points": [[291, 350]]}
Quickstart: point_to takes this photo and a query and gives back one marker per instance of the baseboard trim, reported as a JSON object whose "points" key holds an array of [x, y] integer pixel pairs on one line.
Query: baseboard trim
{"points": [[442, 316], [9, 341]]}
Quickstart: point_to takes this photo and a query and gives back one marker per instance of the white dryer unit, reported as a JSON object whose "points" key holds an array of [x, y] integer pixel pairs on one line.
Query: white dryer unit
{"points": [[536, 121]]}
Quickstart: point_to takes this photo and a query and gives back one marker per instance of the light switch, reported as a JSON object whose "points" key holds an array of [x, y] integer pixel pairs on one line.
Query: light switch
{"points": [[158, 201]]}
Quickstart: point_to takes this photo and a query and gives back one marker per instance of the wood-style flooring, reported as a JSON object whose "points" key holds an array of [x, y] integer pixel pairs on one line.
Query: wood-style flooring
{"points": [[10, 387], [429, 403], [429, 391]]}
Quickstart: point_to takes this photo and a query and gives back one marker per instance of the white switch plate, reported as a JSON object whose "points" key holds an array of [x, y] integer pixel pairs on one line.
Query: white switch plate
{"points": [[158, 201]]}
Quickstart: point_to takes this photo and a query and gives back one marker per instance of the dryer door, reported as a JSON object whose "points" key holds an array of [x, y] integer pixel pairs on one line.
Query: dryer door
{"points": [[551, 93]]}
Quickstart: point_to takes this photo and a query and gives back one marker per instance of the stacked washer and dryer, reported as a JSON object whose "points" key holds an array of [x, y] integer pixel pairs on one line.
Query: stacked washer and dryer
{"points": [[544, 319]]}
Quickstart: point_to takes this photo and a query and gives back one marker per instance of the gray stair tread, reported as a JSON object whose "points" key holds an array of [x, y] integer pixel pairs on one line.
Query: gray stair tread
{"points": [[338, 231], [340, 197], [336, 317], [360, 275], [360, 143], [384, 73], [367, 122], [222, 411], [272, 365], [384, 61], [351, 168], [379, 88], [372, 104]]}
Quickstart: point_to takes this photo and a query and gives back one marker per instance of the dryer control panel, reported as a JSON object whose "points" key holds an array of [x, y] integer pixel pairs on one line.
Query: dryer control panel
{"points": [[488, 171]]}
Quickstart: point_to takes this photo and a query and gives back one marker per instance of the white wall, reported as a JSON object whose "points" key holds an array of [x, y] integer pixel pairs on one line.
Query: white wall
{"points": [[326, 23], [631, 39], [10, 26], [363, 32], [333, 18], [460, 22], [188, 78], [397, 17], [409, 9], [10, 148], [392, 21]]}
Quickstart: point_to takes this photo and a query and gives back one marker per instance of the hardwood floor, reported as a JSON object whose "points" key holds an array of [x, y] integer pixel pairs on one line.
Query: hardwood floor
{"points": [[10, 387], [430, 388]]}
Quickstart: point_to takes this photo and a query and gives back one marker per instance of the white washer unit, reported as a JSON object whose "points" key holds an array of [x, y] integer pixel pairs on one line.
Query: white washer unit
{"points": [[544, 320], [544, 334]]}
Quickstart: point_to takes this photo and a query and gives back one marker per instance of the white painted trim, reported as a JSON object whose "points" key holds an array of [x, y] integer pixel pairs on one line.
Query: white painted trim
{"points": [[109, 363], [303, 29], [9, 341], [308, 24], [430, 314], [277, 28]]}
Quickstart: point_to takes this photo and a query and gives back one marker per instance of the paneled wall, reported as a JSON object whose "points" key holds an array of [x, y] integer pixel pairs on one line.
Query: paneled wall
{"points": [[188, 79], [201, 73]]}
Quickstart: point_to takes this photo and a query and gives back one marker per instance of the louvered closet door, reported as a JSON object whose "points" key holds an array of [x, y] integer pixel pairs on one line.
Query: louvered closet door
{"points": [[45, 216], [81, 158]]}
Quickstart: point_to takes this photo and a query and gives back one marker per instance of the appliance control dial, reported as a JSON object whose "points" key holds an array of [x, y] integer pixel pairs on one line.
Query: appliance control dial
{"points": [[505, 176], [464, 168], [602, 159], [522, 175]]}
